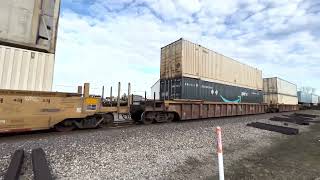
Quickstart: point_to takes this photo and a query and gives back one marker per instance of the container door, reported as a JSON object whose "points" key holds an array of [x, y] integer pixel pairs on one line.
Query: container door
{"points": [[176, 89]]}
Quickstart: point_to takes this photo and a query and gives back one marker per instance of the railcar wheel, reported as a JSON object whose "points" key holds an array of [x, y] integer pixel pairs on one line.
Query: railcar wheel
{"points": [[136, 116], [108, 119], [170, 117], [145, 119]]}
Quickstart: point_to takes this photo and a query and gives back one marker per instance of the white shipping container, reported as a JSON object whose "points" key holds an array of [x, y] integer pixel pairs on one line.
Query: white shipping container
{"points": [[156, 89], [277, 85], [22, 69], [186, 59], [314, 99], [280, 99]]}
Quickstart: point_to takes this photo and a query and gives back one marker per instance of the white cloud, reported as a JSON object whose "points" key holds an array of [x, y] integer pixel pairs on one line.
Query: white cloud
{"points": [[220, 8], [190, 6], [121, 40]]}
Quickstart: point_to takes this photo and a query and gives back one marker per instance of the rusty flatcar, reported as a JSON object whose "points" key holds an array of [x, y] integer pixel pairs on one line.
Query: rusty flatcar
{"points": [[169, 110]]}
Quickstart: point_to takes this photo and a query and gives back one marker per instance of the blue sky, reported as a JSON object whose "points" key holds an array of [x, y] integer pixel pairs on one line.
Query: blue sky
{"points": [[106, 41]]}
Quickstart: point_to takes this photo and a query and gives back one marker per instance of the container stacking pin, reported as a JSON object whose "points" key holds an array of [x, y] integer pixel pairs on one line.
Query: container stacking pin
{"points": [[219, 151]]}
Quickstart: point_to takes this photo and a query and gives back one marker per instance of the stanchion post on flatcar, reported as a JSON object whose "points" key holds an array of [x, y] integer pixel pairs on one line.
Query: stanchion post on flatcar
{"points": [[131, 98], [118, 99], [154, 100], [145, 96], [102, 95], [129, 92], [111, 101], [79, 89], [86, 90]]}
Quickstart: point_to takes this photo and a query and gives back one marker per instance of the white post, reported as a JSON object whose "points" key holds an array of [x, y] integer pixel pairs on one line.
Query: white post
{"points": [[219, 151]]}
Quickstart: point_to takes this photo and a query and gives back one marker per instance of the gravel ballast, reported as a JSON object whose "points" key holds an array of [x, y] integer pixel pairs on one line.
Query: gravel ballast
{"points": [[184, 150]]}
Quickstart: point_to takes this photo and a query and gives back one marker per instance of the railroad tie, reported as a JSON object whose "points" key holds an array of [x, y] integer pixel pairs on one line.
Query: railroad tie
{"points": [[305, 115], [40, 165], [295, 120], [14, 169], [275, 128]]}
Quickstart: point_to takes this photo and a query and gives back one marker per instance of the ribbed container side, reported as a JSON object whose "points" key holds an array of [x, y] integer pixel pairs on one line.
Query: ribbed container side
{"points": [[30, 24], [314, 99], [22, 69], [183, 58], [277, 85], [304, 98], [196, 89], [280, 99]]}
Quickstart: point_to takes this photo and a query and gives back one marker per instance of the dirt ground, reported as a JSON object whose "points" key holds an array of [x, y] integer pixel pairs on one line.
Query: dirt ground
{"points": [[294, 157]]}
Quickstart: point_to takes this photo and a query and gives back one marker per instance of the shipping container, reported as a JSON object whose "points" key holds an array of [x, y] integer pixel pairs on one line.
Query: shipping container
{"points": [[155, 90], [22, 69], [304, 98], [197, 89], [277, 85], [29, 24], [280, 99], [186, 59], [314, 99]]}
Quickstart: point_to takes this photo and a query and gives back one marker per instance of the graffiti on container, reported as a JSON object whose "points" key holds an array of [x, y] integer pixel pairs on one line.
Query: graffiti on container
{"points": [[231, 101]]}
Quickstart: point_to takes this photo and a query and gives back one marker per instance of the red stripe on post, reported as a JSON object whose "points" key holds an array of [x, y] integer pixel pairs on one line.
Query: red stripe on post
{"points": [[219, 141]]}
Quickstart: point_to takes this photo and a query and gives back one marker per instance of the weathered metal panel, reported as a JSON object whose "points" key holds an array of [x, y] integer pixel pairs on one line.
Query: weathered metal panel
{"points": [[186, 59], [277, 85], [22, 69], [30, 24], [189, 88]]}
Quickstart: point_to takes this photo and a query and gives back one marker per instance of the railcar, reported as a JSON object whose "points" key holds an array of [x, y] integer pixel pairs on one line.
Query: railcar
{"points": [[34, 110]]}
